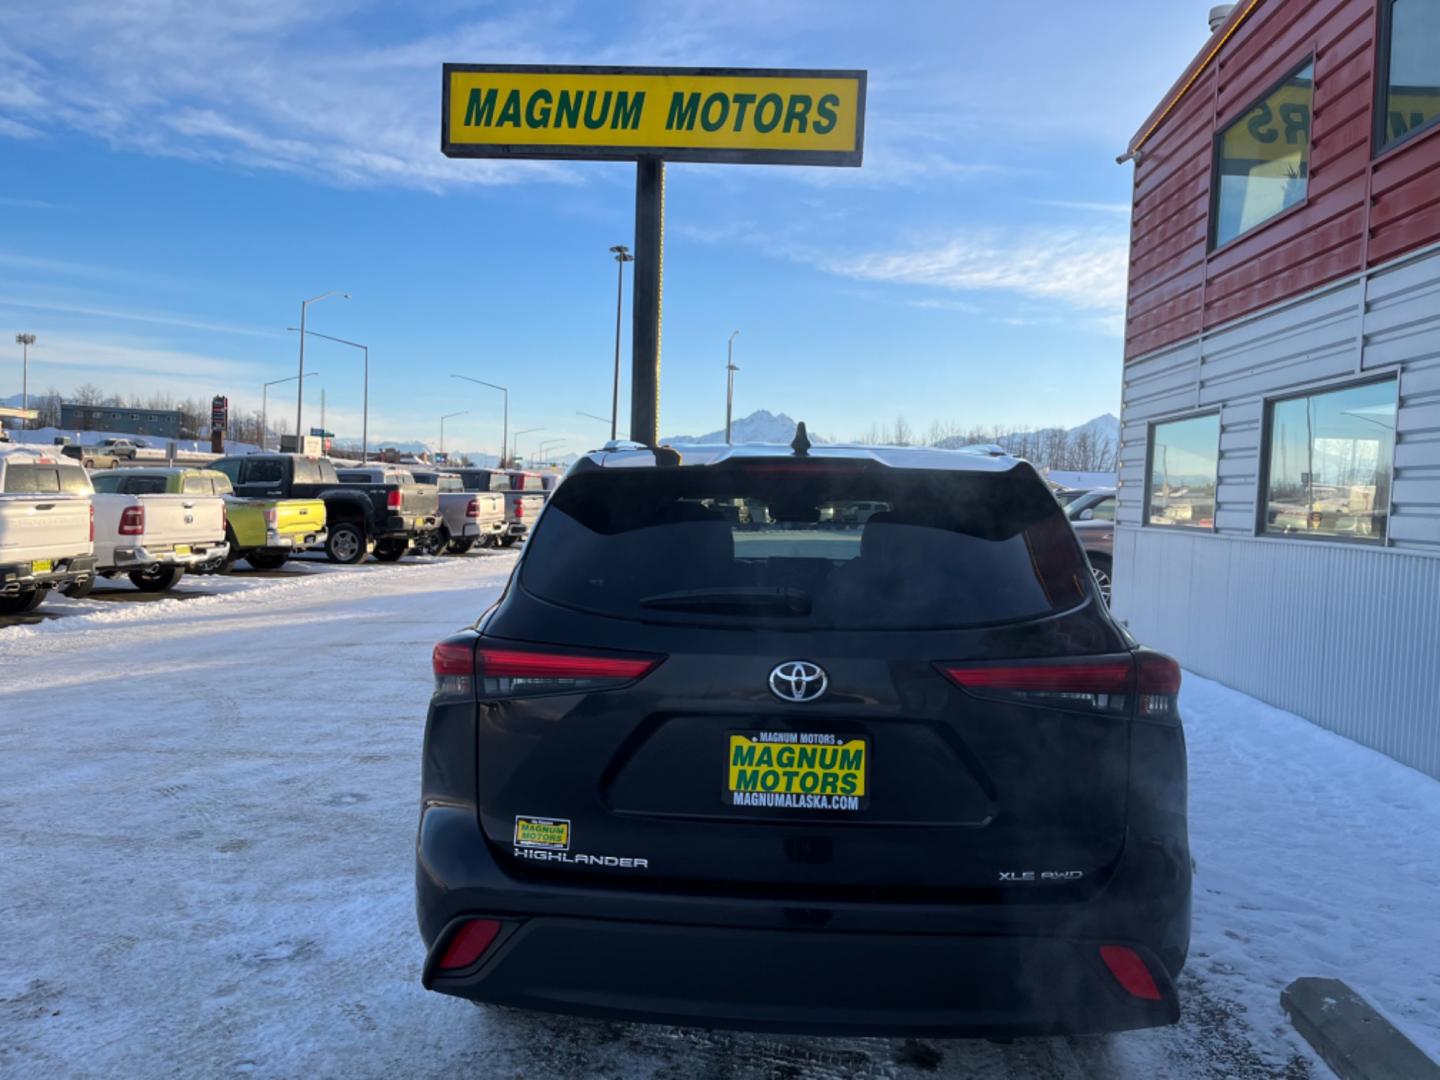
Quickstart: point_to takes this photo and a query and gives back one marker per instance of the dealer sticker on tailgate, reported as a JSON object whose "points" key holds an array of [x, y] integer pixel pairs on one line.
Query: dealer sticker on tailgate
{"points": [[797, 770]]}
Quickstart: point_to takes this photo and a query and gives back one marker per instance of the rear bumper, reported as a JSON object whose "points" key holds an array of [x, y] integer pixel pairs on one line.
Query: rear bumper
{"points": [[517, 528], [809, 981], [582, 945], [137, 558], [21, 577], [296, 541]]}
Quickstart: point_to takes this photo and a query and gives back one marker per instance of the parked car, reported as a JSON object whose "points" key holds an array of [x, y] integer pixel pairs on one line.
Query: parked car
{"points": [[90, 457], [154, 538], [46, 526], [467, 517], [121, 448], [263, 532], [361, 516], [1093, 516], [521, 506], [912, 773]]}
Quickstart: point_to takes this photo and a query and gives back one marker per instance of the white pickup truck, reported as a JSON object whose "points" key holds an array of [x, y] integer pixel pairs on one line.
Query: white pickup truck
{"points": [[155, 538], [46, 526], [467, 517]]}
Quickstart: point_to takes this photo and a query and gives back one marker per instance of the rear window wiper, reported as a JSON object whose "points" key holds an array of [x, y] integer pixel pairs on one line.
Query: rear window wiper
{"points": [[737, 600]]}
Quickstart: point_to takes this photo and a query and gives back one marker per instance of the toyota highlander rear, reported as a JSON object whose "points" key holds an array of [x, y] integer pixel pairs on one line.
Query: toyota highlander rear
{"points": [[832, 741]]}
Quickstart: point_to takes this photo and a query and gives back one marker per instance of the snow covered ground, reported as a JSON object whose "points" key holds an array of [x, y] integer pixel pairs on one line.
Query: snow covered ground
{"points": [[208, 805]]}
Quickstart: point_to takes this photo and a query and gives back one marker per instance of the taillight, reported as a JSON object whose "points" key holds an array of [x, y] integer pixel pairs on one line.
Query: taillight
{"points": [[272, 516], [1127, 967], [454, 665], [473, 509], [519, 508], [469, 943], [92, 523], [495, 671], [393, 498], [1103, 684], [132, 521]]}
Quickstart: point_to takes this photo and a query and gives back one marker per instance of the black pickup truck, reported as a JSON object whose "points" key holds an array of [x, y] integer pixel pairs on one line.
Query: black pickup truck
{"points": [[391, 518]]}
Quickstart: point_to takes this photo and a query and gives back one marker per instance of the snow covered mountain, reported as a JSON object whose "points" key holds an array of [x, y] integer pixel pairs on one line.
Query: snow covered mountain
{"points": [[761, 426]]}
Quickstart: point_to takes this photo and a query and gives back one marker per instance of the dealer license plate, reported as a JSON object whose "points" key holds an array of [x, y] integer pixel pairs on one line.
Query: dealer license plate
{"points": [[182, 549], [42, 566], [797, 770]]}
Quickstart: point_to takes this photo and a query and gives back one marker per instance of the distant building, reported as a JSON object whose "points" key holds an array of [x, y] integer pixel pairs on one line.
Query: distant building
{"points": [[160, 423], [1278, 523]]}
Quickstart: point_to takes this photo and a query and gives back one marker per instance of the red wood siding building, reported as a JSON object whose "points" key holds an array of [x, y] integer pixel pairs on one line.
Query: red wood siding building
{"points": [[1359, 211]]}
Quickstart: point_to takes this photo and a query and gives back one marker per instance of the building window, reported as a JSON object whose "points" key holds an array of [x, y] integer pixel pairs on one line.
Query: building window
{"points": [[1409, 69], [1262, 160], [1330, 460], [1184, 465]]}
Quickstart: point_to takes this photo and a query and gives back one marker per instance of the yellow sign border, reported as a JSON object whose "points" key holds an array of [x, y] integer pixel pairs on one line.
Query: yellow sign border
{"points": [[752, 155]]}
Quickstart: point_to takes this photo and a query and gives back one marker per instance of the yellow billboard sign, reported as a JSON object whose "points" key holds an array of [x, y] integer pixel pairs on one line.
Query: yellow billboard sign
{"points": [[679, 114]]}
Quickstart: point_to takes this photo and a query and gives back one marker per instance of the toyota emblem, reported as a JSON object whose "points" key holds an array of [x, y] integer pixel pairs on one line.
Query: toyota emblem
{"points": [[798, 681]]}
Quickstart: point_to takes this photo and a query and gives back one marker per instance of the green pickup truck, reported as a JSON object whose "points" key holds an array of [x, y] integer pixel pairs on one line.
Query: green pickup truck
{"points": [[263, 532]]}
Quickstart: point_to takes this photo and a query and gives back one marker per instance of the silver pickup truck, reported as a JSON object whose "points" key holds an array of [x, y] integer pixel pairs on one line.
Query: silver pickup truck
{"points": [[467, 517], [46, 527], [154, 538], [522, 506]]}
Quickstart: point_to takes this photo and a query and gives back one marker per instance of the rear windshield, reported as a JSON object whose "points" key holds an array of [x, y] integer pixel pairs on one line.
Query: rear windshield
{"points": [[854, 547], [315, 471], [480, 480], [46, 480]]}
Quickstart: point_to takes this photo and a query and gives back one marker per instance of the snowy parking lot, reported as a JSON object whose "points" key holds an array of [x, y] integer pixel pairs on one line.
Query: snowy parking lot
{"points": [[206, 862]]}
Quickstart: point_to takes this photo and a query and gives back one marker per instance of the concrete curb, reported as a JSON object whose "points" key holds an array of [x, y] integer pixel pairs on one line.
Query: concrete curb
{"points": [[1350, 1036]]}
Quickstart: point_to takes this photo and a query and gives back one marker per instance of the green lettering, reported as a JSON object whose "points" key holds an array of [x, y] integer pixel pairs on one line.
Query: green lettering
{"points": [[742, 754], [591, 120], [567, 108], [480, 111], [828, 783], [533, 116], [766, 757], [852, 759], [849, 782], [627, 112], [709, 119], [809, 781], [798, 112], [785, 757], [1259, 124], [829, 755], [683, 110], [769, 780], [742, 104], [790, 775], [806, 758], [776, 107], [510, 111], [827, 115], [1296, 119], [747, 779]]}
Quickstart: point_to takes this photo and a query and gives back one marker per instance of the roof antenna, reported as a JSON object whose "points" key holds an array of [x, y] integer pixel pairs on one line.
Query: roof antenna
{"points": [[801, 445]]}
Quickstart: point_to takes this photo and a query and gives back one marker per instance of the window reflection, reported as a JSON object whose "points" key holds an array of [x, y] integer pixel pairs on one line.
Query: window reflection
{"points": [[1330, 458], [1263, 160], [1411, 98], [1184, 464]]}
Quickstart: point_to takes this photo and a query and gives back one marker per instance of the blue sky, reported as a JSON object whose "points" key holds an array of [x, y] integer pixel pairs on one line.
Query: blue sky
{"points": [[175, 178]]}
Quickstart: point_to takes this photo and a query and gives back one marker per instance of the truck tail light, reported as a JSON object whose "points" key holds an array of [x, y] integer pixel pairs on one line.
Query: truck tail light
{"points": [[519, 509], [1101, 684], [92, 523], [132, 521], [473, 510], [271, 517], [394, 498]]}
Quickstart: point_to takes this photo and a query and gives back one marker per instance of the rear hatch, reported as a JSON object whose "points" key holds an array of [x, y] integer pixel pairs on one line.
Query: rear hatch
{"points": [[750, 675], [181, 521]]}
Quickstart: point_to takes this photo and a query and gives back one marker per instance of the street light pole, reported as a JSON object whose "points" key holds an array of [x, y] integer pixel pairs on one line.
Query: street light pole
{"points": [[622, 256], [505, 421], [448, 416], [515, 449], [264, 394], [365, 413], [730, 370], [300, 390], [26, 340]]}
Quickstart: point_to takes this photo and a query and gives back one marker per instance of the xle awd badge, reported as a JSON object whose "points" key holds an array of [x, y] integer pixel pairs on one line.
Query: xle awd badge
{"points": [[798, 681]]}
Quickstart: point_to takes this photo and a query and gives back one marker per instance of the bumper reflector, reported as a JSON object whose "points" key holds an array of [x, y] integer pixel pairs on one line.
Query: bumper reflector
{"points": [[1130, 972], [469, 944]]}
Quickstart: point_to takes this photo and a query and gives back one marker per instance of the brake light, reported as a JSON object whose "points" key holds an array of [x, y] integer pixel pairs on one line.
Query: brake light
{"points": [[1129, 971], [132, 521], [519, 508], [1104, 684], [512, 672], [92, 522], [469, 943], [473, 510], [393, 498], [454, 665], [272, 516]]}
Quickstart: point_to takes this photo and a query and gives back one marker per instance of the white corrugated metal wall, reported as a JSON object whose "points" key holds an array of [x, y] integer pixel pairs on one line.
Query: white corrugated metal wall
{"points": [[1345, 635]]}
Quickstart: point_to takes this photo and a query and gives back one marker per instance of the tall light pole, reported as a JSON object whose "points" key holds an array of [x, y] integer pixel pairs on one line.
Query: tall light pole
{"points": [[449, 416], [26, 340], [365, 414], [730, 370], [505, 421], [540, 452], [300, 390], [592, 416], [515, 449], [264, 394], [622, 256]]}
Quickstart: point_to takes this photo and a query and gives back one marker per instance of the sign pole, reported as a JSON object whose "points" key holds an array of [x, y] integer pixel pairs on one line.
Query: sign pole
{"points": [[647, 287]]}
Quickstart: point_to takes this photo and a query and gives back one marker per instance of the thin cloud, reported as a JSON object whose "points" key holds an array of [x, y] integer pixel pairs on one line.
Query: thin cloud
{"points": [[26, 204], [16, 303]]}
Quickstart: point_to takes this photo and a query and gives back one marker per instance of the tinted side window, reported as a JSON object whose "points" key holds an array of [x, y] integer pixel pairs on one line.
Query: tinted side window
{"points": [[266, 471], [1104, 510], [144, 485], [230, 467], [32, 480]]}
